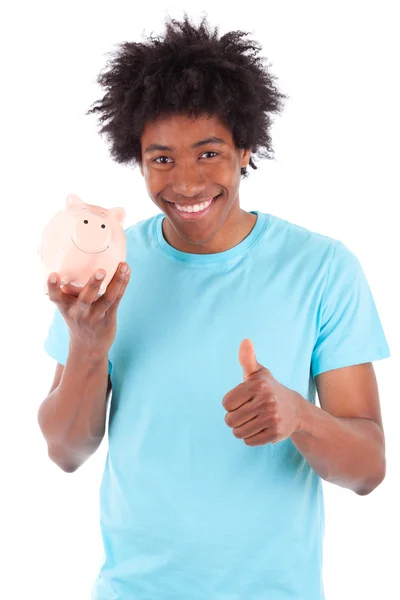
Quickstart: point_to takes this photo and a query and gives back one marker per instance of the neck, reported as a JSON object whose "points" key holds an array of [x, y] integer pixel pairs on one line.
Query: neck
{"points": [[234, 230]]}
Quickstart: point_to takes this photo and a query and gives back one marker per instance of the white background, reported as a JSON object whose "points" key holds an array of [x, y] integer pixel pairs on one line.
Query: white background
{"points": [[335, 172]]}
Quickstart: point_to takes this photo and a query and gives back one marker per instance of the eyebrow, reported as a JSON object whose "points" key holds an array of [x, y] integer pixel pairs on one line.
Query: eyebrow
{"points": [[160, 147]]}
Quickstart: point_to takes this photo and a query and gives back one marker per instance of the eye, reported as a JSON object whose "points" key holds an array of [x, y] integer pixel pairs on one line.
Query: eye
{"points": [[86, 221], [103, 226], [167, 157], [158, 158]]}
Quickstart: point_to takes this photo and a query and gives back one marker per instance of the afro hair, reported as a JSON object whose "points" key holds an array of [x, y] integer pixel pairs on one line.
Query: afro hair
{"points": [[189, 71]]}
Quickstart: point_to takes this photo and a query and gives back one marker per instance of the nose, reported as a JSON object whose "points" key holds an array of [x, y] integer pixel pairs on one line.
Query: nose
{"points": [[188, 181]]}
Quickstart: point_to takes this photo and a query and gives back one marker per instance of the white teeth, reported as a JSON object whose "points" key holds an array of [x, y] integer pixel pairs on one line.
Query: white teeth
{"points": [[195, 208]]}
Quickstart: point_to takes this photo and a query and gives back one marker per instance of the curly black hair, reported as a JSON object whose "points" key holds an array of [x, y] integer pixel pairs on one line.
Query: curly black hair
{"points": [[193, 72]]}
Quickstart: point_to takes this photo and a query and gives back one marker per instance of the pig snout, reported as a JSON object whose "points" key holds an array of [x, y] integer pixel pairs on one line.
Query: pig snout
{"points": [[91, 233]]}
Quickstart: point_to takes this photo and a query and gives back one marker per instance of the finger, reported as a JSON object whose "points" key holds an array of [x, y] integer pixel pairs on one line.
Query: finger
{"points": [[55, 292], [90, 292], [252, 427], [72, 290], [261, 438], [121, 291], [237, 396], [111, 298], [257, 423], [245, 412]]}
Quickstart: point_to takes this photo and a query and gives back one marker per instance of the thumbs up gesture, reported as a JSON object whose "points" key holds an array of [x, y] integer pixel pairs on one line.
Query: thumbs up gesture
{"points": [[261, 410]]}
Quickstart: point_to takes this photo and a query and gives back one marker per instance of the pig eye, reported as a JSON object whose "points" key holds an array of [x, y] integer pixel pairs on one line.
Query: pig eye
{"points": [[86, 221], [103, 226]]}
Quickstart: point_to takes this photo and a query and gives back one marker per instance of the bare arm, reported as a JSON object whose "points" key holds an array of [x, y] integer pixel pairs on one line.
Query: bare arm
{"points": [[344, 441], [72, 418]]}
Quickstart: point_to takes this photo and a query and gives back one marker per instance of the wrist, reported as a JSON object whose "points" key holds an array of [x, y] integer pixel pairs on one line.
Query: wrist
{"points": [[302, 405], [84, 353]]}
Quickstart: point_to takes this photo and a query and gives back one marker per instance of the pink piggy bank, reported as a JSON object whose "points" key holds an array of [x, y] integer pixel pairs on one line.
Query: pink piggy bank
{"points": [[81, 239]]}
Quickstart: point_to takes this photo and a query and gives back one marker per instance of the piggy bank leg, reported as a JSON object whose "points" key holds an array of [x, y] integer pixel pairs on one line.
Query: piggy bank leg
{"points": [[65, 279], [102, 289], [78, 286]]}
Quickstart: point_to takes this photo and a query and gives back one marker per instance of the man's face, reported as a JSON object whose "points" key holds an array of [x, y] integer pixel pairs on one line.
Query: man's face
{"points": [[182, 165]]}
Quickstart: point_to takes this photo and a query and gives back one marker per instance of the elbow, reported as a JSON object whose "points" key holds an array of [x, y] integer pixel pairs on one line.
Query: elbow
{"points": [[367, 489], [58, 459], [371, 485], [68, 468]]}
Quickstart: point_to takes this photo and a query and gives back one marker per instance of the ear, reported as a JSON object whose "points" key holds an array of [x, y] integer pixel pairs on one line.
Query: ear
{"points": [[245, 158], [118, 213], [74, 201], [141, 168]]}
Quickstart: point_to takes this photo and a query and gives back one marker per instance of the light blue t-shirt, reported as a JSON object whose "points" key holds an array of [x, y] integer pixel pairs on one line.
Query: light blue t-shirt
{"points": [[189, 511]]}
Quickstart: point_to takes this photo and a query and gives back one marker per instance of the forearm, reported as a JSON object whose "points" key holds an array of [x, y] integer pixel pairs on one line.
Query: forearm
{"points": [[72, 417], [349, 452]]}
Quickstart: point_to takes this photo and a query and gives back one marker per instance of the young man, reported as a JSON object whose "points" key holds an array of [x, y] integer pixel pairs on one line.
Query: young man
{"points": [[230, 323]]}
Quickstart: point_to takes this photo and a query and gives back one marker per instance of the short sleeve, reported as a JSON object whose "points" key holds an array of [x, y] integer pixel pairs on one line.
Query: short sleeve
{"points": [[57, 341], [350, 329]]}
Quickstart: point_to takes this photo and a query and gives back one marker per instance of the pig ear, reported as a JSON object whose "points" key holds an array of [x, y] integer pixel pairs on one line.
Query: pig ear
{"points": [[118, 213], [74, 201]]}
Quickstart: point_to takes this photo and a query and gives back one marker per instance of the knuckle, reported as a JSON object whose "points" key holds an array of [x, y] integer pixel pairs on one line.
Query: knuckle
{"points": [[262, 386], [265, 419], [274, 418], [94, 284], [273, 422], [109, 317], [83, 303], [106, 300]]}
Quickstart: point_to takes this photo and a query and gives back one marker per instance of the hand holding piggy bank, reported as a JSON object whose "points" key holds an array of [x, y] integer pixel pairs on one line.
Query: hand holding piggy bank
{"points": [[83, 238]]}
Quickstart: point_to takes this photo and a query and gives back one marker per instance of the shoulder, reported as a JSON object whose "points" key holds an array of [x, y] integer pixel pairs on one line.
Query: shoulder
{"points": [[313, 245], [300, 234]]}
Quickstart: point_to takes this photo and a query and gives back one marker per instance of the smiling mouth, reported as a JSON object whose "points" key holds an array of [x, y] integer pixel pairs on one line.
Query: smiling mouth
{"points": [[100, 251], [194, 203]]}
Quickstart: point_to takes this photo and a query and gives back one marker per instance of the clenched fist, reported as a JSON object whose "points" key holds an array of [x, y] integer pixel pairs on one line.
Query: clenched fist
{"points": [[260, 410]]}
